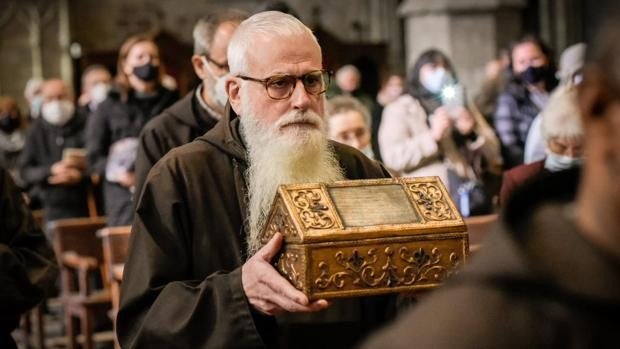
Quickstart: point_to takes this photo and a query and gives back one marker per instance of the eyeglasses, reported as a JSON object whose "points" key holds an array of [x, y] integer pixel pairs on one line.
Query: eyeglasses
{"points": [[281, 86], [221, 66]]}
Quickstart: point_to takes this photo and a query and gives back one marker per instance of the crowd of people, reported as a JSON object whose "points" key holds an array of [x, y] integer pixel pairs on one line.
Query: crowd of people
{"points": [[423, 124], [196, 175]]}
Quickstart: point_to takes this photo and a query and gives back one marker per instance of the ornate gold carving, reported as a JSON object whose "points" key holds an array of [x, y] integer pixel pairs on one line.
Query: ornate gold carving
{"points": [[280, 222], [430, 199], [287, 264], [312, 208], [381, 269]]}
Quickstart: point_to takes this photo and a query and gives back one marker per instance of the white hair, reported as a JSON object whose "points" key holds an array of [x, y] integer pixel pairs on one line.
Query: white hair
{"points": [[561, 117], [343, 104], [268, 23], [205, 28]]}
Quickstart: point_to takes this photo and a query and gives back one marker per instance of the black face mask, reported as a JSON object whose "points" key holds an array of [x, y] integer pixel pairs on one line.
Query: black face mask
{"points": [[147, 72], [533, 75], [8, 124]]}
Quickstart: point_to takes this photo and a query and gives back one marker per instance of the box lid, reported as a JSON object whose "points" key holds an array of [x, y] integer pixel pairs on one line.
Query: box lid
{"points": [[362, 209]]}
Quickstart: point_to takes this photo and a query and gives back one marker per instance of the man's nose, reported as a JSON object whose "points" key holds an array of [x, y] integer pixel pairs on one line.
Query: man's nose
{"points": [[300, 99]]}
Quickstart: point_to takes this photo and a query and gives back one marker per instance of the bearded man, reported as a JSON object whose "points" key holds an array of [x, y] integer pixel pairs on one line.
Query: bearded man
{"points": [[197, 275]]}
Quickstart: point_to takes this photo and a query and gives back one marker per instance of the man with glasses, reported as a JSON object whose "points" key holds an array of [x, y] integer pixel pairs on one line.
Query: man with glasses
{"points": [[200, 109], [197, 275]]}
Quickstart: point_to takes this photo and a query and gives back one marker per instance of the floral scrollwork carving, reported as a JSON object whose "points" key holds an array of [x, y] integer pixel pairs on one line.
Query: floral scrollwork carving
{"points": [[287, 266], [280, 222], [312, 208], [431, 200], [386, 268]]}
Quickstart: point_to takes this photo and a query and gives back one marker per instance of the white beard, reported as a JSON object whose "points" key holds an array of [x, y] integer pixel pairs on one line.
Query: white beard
{"points": [[294, 154]]}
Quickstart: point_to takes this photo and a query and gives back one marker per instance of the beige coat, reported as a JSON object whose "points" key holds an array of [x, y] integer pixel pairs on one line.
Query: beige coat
{"points": [[408, 147]]}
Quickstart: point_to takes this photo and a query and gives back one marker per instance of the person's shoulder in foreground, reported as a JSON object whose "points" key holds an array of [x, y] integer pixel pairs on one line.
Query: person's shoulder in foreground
{"points": [[549, 277]]}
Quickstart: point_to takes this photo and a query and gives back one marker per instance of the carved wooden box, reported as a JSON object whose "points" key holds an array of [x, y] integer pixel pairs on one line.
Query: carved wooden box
{"points": [[367, 237]]}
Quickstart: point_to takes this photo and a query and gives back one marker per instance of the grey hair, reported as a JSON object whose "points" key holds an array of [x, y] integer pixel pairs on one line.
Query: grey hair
{"points": [[561, 116], [342, 104], [272, 23], [205, 28]]}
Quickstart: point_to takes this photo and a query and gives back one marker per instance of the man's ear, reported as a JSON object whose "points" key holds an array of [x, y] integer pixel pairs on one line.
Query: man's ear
{"points": [[199, 67], [233, 88], [593, 96]]}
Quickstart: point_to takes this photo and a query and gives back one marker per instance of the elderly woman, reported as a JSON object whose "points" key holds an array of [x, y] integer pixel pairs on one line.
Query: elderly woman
{"points": [[348, 122], [563, 134]]}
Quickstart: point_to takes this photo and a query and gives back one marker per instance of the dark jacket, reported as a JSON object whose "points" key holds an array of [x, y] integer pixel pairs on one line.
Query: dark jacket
{"points": [[518, 176], [116, 118], [182, 284], [44, 147], [27, 262], [513, 117], [180, 124], [535, 283]]}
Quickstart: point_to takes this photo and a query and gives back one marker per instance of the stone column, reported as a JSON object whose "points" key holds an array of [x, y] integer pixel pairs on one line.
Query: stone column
{"points": [[470, 32]]}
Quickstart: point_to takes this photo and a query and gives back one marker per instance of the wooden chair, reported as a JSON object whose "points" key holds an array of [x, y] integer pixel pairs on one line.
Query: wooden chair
{"points": [[79, 253], [115, 247], [478, 227], [36, 312]]}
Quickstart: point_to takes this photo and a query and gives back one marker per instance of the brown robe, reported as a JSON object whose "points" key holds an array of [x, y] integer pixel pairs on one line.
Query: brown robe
{"points": [[536, 283], [179, 124], [182, 284], [27, 263]]}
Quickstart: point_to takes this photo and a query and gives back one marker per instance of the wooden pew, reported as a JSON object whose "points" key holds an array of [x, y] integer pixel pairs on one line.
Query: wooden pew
{"points": [[115, 242], [478, 227], [80, 256]]}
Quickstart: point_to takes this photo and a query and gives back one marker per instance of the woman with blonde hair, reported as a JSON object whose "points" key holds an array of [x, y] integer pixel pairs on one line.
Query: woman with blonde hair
{"points": [[113, 129]]}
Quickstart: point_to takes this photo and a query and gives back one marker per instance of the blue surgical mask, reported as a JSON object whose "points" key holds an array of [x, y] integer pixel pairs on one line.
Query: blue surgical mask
{"points": [[437, 80], [555, 162]]}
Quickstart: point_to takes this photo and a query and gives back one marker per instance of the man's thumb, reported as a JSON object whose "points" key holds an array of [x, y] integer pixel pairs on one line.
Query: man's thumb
{"points": [[270, 249]]}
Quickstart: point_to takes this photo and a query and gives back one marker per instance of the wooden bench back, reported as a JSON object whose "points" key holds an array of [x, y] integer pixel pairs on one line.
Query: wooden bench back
{"points": [[479, 227], [77, 235]]}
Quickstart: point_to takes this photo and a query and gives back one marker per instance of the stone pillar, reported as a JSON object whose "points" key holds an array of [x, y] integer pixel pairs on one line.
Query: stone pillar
{"points": [[470, 32]]}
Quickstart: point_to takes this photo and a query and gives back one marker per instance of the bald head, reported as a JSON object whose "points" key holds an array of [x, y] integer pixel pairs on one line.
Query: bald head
{"points": [[55, 89]]}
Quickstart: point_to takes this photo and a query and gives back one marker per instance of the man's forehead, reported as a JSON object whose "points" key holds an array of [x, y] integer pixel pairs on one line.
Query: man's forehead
{"points": [[272, 54]]}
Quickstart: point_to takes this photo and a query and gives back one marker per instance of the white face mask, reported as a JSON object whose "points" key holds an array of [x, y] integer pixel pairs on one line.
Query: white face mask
{"points": [[555, 162], [99, 92], [217, 91], [435, 81], [57, 112]]}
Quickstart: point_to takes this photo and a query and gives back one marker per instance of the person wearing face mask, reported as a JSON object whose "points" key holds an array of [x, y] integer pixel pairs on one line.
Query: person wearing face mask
{"points": [[113, 129], [569, 74], [524, 97], [200, 109], [429, 132], [562, 132], [12, 137], [44, 162], [96, 83]]}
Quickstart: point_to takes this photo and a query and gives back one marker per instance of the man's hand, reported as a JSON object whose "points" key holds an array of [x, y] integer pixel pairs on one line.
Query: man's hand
{"points": [[267, 291], [127, 179], [70, 176]]}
